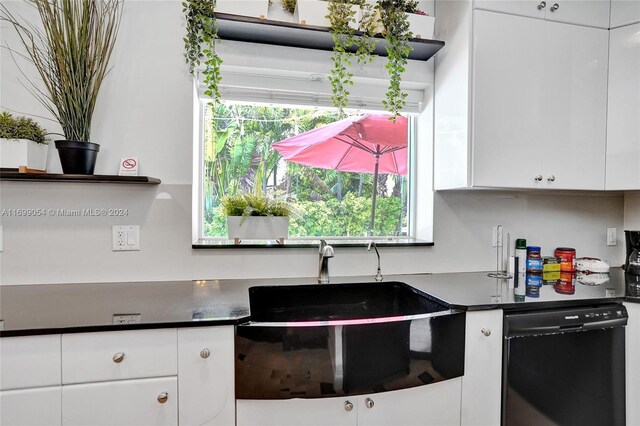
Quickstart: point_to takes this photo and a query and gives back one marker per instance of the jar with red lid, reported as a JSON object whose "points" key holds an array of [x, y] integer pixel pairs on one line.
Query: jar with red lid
{"points": [[567, 256]]}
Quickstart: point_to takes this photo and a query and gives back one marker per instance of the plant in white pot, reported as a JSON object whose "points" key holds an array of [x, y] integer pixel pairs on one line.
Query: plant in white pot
{"points": [[22, 143], [70, 49], [256, 217]]}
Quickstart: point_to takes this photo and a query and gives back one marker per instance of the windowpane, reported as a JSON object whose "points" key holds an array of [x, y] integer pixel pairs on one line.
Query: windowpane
{"points": [[239, 157]]}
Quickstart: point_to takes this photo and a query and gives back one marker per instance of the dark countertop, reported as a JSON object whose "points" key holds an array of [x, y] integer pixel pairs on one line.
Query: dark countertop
{"points": [[74, 308]]}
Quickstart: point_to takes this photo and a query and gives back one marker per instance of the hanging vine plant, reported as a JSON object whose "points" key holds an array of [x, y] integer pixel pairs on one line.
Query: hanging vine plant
{"points": [[341, 15], [397, 34], [200, 43]]}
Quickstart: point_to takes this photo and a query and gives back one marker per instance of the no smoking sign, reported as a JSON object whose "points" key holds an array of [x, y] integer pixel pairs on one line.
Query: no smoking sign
{"points": [[128, 166]]}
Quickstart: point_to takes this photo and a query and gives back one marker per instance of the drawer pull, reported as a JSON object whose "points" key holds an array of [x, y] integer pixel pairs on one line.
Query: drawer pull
{"points": [[205, 353], [163, 397], [486, 332], [369, 403], [118, 358], [348, 406]]}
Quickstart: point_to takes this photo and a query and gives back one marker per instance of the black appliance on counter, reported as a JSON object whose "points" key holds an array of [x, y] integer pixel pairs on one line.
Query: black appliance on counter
{"points": [[564, 366], [632, 259]]}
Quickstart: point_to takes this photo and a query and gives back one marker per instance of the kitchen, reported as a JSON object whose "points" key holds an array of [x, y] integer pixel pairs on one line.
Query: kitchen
{"points": [[147, 102]]}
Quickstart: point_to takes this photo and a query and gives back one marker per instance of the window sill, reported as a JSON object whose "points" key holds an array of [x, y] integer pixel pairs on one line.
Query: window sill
{"points": [[223, 243]]}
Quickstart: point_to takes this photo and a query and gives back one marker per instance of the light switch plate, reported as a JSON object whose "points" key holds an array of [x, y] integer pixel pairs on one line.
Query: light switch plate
{"points": [[612, 236], [125, 238]]}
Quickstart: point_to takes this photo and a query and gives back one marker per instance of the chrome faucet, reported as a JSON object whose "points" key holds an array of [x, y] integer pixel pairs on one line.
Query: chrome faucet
{"points": [[375, 247], [325, 253]]}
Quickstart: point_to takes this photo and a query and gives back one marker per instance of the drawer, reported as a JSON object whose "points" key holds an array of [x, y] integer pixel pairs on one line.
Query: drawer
{"points": [[125, 402], [118, 355], [30, 361], [32, 407]]}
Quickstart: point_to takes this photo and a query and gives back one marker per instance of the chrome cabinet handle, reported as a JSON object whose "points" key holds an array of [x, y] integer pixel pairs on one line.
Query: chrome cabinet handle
{"points": [[205, 353], [486, 332], [542, 5], [555, 7], [348, 406], [551, 178], [163, 397], [118, 358], [538, 178], [369, 403]]}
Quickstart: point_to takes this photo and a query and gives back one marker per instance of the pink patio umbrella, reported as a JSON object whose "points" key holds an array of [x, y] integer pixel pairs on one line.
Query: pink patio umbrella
{"points": [[369, 143]]}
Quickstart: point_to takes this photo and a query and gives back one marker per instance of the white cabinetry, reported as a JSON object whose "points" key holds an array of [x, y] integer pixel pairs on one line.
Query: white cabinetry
{"points": [[624, 12], [593, 13], [435, 404], [481, 383], [633, 363], [30, 380], [206, 376], [623, 130], [37, 406], [519, 102]]}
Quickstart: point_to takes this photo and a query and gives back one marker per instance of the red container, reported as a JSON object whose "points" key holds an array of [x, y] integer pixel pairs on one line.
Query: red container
{"points": [[567, 256], [566, 285]]}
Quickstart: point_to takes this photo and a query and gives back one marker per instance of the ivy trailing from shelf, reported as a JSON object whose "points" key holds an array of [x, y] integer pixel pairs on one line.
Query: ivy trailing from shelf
{"points": [[200, 44], [393, 14]]}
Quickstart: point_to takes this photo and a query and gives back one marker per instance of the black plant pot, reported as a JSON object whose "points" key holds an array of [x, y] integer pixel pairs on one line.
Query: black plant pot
{"points": [[77, 158]]}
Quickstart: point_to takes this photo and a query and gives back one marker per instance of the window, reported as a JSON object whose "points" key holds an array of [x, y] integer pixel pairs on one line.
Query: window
{"points": [[239, 154]]}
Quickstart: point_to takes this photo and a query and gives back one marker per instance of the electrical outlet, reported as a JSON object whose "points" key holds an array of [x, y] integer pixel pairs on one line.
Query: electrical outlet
{"points": [[120, 319], [496, 236], [125, 238], [612, 236]]}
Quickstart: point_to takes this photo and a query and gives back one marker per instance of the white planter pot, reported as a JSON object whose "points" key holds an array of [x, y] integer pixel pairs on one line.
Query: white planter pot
{"points": [[314, 12], [23, 152], [258, 228], [421, 25], [253, 8]]}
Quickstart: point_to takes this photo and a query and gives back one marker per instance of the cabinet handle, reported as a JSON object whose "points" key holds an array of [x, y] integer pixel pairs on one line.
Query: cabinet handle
{"points": [[118, 358], [542, 5], [369, 403], [555, 7], [551, 178], [538, 178], [348, 406], [486, 332], [205, 353], [163, 397]]}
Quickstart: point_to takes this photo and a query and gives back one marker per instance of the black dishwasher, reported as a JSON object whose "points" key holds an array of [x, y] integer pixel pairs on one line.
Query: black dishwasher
{"points": [[564, 366]]}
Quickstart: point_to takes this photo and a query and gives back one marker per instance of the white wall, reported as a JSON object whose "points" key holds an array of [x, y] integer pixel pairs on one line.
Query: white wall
{"points": [[632, 211], [145, 109]]}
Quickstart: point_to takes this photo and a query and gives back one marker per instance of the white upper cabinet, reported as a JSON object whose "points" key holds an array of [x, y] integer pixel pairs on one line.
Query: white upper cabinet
{"points": [[624, 12], [623, 130], [537, 105], [592, 13]]}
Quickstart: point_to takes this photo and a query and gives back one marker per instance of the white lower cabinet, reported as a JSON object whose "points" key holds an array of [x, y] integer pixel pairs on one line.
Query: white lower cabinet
{"points": [[206, 376], [435, 404], [482, 383], [632, 334], [126, 402], [33, 407]]}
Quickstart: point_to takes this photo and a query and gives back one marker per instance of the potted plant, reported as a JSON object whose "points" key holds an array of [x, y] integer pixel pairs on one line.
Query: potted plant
{"points": [[71, 55], [317, 12], [23, 143], [254, 216], [421, 24], [253, 8]]}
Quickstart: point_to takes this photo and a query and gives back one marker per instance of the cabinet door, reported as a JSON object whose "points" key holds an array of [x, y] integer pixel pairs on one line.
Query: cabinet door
{"points": [[575, 90], [633, 363], [624, 12], [297, 412], [623, 126], [29, 361], [507, 100], [530, 8], [125, 402], [482, 380], [37, 406], [592, 13], [206, 376], [437, 404]]}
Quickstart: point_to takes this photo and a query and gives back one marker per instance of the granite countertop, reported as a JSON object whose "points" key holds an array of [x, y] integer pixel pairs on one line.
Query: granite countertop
{"points": [[73, 308]]}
